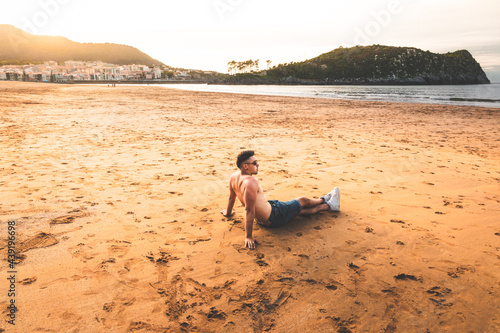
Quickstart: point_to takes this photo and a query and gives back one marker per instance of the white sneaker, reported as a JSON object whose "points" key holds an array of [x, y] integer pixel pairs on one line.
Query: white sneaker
{"points": [[328, 196], [334, 202]]}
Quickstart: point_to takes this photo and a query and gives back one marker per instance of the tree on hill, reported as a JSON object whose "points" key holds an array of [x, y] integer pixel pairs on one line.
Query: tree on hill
{"points": [[247, 66]]}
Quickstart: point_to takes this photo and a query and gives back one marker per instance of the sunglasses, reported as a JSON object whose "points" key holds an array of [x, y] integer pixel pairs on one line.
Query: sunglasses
{"points": [[254, 162]]}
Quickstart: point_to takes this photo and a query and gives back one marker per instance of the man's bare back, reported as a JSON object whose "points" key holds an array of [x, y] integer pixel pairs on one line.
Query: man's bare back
{"points": [[246, 188], [239, 184]]}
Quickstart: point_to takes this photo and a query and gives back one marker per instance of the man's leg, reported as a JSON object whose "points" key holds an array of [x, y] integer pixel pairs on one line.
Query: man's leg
{"points": [[312, 206], [314, 210], [309, 203]]}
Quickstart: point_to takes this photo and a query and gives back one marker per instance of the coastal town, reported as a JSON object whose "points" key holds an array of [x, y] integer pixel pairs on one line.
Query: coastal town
{"points": [[70, 71]]}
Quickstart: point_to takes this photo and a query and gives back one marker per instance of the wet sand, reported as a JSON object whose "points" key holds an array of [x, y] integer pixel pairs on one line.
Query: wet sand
{"points": [[116, 193]]}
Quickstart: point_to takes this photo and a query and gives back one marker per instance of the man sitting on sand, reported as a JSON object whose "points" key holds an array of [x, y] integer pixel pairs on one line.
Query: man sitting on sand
{"points": [[272, 213]]}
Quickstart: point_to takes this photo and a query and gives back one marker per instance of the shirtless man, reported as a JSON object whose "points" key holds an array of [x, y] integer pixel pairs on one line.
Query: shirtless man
{"points": [[272, 213]]}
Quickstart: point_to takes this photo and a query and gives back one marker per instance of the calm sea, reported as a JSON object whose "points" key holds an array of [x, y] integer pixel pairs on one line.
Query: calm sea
{"points": [[485, 95]]}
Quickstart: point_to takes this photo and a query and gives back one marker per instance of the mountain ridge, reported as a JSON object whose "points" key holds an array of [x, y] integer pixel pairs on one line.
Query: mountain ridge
{"points": [[20, 47]]}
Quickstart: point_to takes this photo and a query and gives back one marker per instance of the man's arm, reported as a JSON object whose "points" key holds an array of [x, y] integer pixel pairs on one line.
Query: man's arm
{"points": [[250, 195], [230, 203]]}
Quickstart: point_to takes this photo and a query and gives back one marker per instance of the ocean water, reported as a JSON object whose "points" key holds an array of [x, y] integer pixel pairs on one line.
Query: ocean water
{"points": [[484, 95]]}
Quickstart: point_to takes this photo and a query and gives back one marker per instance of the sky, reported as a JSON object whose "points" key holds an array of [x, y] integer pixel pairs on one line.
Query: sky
{"points": [[207, 34]]}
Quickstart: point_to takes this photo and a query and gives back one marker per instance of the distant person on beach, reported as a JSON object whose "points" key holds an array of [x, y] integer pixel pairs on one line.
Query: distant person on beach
{"points": [[272, 213]]}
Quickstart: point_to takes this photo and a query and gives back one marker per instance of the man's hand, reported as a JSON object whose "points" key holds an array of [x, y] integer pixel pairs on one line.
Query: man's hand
{"points": [[224, 212], [250, 243]]}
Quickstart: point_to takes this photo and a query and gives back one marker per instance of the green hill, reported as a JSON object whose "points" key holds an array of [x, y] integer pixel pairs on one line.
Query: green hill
{"points": [[19, 47], [376, 64]]}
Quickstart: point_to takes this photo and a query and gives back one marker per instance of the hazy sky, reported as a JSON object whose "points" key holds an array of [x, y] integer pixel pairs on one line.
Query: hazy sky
{"points": [[207, 34]]}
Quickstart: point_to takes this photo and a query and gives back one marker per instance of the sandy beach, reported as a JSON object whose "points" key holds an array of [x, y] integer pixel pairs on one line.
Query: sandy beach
{"points": [[116, 195]]}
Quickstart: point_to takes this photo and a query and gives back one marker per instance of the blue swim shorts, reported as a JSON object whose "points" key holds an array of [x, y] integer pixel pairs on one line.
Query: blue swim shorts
{"points": [[283, 212]]}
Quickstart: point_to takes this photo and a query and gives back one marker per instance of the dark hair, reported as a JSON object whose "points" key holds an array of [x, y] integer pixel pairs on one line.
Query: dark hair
{"points": [[243, 156]]}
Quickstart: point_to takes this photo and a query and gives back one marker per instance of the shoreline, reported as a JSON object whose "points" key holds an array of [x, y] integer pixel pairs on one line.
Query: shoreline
{"points": [[116, 194], [376, 96], [141, 82], [373, 94]]}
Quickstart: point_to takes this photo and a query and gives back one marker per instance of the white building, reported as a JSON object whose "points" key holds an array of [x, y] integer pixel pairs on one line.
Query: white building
{"points": [[71, 63], [157, 73]]}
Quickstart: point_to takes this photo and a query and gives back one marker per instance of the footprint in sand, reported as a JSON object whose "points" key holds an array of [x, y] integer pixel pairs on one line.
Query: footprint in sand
{"points": [[161, 258], [40, 240], [63, 220], [108, 307], [439, 296], [260, 260], [119, 250], [69, 218], [461, 270], [407, 277], [28, 281]]}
